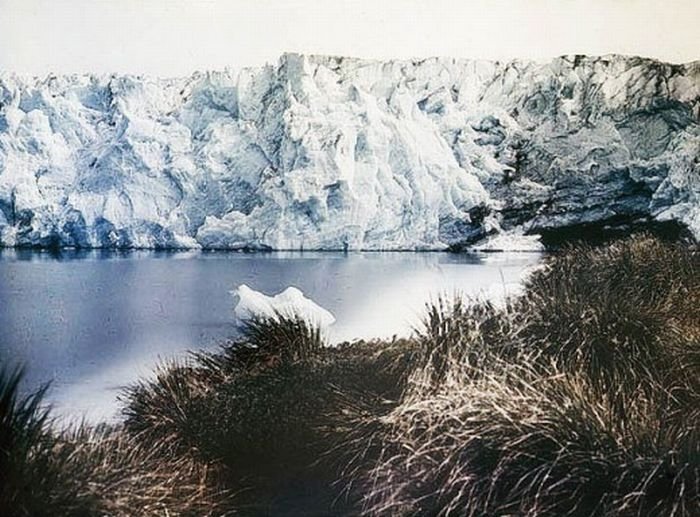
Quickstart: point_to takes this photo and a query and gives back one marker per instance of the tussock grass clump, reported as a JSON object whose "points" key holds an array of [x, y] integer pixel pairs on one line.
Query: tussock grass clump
{"points": [[619, 312], [456, 331], [274, 387], [518, 441], [24, 442], [177, 407], [46, 472], [285, 338], [273, 406], [112, 473], [159, 411], [578, 398]]}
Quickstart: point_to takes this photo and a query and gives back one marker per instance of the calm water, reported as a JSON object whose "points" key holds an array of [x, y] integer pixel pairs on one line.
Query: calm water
{"points": [[94, 322]]}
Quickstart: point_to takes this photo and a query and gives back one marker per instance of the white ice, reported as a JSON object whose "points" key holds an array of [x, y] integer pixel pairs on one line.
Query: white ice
{"points": [[322, 153], [290, 302]]}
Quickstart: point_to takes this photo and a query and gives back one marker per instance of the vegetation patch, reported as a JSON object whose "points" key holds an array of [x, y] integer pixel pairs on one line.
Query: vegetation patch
{"points": [[579, 397]]}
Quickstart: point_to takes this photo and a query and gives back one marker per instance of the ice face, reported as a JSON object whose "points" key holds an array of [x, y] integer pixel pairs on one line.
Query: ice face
{"points": [[332, 153]]}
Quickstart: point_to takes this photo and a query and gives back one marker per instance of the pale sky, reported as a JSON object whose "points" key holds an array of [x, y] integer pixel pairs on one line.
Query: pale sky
{"points": [[176, 37]]}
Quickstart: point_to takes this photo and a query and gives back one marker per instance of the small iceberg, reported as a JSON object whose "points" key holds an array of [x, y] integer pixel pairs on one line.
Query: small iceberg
{"points": [[290, 302]]}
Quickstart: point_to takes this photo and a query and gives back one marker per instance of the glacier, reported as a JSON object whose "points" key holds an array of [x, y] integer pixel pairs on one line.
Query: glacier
{"points": [[328, 153]]}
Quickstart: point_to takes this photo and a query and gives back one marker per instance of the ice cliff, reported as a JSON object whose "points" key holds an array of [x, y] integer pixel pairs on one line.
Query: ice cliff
{"points": [[337, 153]]}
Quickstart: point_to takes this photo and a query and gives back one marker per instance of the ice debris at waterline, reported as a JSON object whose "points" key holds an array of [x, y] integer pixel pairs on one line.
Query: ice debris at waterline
{"points": [[336, 153], [289, 303]]}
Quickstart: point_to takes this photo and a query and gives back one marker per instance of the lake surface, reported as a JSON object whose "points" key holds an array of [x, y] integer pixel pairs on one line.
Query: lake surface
{"points": [[93, 322]]}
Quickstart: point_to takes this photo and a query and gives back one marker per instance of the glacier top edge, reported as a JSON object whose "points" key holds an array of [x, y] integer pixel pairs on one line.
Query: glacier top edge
{"points": [[572, 58]]}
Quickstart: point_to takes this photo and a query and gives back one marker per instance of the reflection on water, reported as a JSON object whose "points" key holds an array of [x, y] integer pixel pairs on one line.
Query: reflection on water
{"points": [[94, 321]]}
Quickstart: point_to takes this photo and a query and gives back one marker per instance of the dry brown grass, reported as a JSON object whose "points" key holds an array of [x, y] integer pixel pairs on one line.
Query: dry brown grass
{"points": [[274, 407], [85, 471], [579, 398], [117, 475]]}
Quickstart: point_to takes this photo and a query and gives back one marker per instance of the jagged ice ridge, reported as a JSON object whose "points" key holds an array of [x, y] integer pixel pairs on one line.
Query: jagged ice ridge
{"points": [[337, 153]]}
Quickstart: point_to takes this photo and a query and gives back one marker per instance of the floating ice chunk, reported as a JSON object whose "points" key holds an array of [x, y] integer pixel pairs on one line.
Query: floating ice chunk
{"points": [[290, 302]]}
